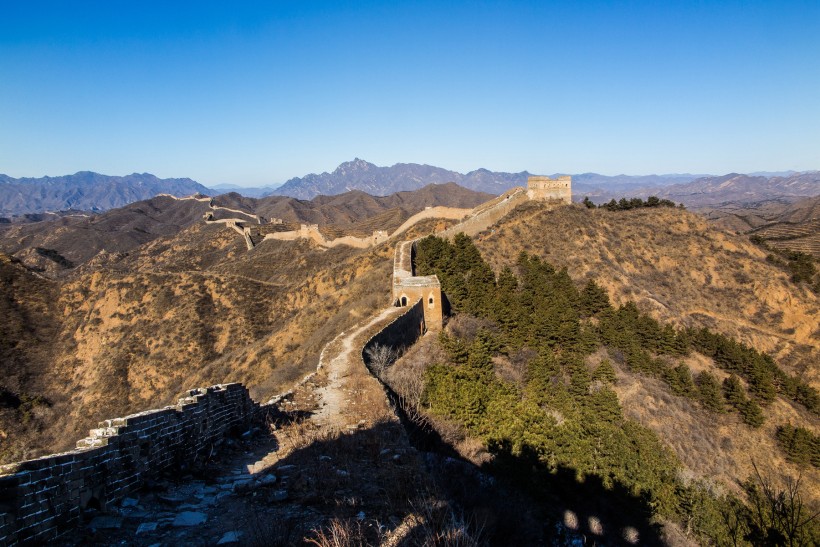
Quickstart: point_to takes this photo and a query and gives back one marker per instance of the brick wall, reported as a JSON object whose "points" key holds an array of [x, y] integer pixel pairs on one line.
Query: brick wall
{"points": [[400, 333], [41, 498]]}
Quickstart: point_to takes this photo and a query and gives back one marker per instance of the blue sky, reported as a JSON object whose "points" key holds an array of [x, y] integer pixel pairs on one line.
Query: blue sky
{"points": [[255, 93]]}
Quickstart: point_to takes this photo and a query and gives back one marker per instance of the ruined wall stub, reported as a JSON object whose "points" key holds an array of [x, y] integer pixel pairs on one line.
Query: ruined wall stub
{"points": [[545, 188]]}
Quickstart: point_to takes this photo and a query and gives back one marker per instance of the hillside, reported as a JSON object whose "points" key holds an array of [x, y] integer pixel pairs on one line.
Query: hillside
{"points": [[59, 245], [86, 191], [675, 266], [132, 331], [144, 301], [785, 225], [680, 270]]}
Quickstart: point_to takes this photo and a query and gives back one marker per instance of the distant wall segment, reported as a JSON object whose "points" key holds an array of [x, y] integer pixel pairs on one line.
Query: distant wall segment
{"points": [[42, 498]]}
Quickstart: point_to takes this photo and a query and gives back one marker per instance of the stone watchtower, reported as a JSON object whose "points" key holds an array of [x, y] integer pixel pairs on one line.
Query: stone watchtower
{"points": [[545, 188], [409, 288]]}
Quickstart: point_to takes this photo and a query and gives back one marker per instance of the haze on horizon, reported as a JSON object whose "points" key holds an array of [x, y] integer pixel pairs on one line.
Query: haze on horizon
{"points": [[255, 94]]}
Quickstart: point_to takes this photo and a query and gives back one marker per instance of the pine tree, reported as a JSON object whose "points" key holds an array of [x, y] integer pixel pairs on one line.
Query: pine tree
{"points": [[605, 372], [709, 392], [751, 413], [594, 299], [733, 391]]}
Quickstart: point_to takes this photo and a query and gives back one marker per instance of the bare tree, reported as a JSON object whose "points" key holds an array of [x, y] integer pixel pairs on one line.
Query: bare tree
{"points": [[780, 516], [380, 357]]}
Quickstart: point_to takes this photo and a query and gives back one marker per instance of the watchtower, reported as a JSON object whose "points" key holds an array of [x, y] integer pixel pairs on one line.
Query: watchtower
{"points": [[545, 188]]}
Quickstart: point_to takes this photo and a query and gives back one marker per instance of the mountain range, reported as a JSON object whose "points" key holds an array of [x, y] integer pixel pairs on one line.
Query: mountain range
{"points": [[362, 175], [92, 192], [122, 311], [710, 191], [86, 191]]}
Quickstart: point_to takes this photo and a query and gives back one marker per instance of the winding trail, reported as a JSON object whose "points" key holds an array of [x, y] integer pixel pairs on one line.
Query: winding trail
{"points": [[341, 365]]}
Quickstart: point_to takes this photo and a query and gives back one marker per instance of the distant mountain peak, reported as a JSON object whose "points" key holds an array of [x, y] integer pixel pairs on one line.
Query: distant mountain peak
{"points": [[353, 166], [381, 181]]}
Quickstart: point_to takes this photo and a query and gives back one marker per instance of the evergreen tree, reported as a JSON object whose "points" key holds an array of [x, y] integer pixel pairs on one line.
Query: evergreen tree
{"points": [[605, 372], [751, 413], [679, 379], [709, 392], [733, 391], [800, 445], [594, 299]]}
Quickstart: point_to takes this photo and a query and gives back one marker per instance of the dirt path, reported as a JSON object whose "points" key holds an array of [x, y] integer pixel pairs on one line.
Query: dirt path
{"points": [[274, 473], [340, 363]]}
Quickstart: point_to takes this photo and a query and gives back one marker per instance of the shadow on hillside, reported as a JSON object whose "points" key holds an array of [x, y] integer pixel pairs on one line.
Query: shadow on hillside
{"points": [[600, 515], [364, 483]]}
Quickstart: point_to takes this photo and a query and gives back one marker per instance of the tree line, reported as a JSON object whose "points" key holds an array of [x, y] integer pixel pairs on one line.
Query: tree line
{"points": [[564, 414], [624, 204]]}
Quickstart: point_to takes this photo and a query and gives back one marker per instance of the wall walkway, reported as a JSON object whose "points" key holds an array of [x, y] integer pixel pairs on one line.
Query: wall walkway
{"points": [[41, 498]]}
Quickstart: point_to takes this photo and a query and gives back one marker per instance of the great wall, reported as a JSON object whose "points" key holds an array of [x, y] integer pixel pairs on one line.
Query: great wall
{"points": [[43, 499]]}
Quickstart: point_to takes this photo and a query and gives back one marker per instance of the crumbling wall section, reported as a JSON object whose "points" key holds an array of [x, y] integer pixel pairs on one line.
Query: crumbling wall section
{"points": [[41, 498], [400, 333]]}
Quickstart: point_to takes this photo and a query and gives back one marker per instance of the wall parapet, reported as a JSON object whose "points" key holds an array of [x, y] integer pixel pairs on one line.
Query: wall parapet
{"points": [[400, 333], [42, 498]]}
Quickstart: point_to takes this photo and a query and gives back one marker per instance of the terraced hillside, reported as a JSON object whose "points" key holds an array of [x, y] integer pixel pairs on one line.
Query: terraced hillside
{"points": [[785, 225]]}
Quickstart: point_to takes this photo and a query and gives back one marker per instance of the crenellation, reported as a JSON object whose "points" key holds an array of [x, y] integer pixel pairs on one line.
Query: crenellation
{"points": [[546, 188], [40, 498]]}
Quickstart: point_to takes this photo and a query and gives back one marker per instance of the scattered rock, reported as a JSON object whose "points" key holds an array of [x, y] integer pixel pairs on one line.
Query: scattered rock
{"points": [[324, 458], [279, 495], [245, 485], [146, 527], [229, 537], [208, 501], [135, 514], [129, 502], [106, 522], [171, 499], [268, 480], [190, 518]]}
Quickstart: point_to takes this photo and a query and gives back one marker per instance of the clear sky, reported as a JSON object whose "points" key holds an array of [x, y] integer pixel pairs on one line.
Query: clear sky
{"points": [[254, 93]]}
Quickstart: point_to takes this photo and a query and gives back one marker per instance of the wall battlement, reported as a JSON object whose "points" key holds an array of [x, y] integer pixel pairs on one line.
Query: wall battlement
{"points": [[546, 188], [41, 498]]}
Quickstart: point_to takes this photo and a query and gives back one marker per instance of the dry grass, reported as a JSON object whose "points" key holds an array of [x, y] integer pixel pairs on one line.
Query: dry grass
{"points": [[678, 268], [717, 448]]}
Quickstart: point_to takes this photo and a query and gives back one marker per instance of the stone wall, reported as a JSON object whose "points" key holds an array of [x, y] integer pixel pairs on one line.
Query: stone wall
{"points": [[486, 216], [41, 498], [400, 333], [408, 287], [311, 231], [452, 213]]}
